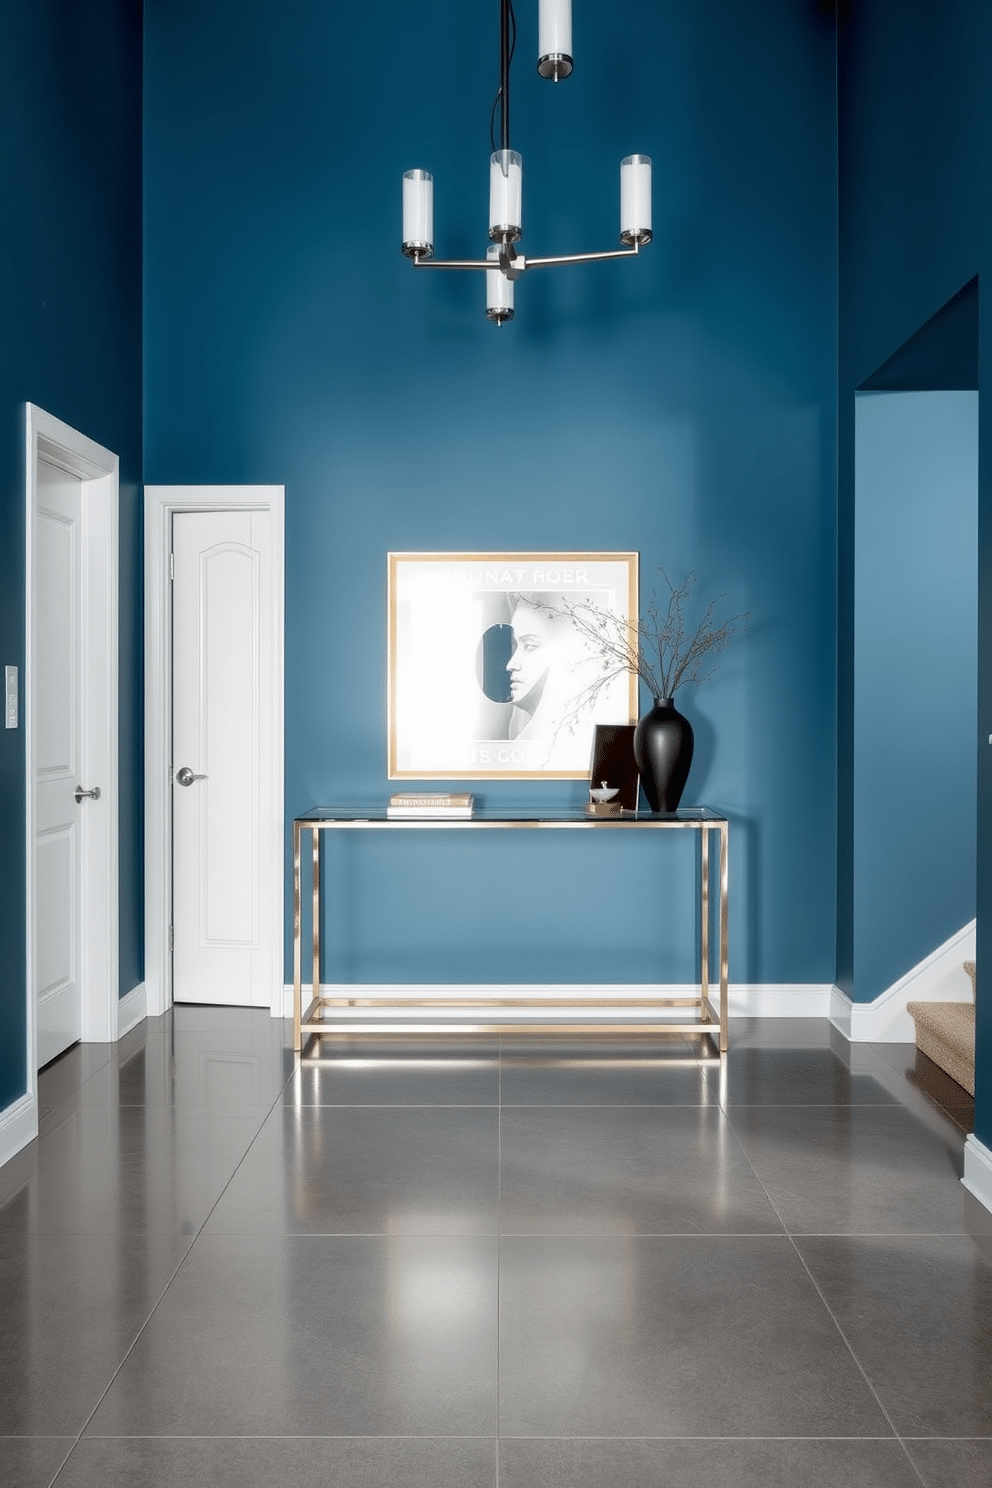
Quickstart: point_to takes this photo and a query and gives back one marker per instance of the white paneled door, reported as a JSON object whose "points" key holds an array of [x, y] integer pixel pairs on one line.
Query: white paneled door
{"points": [[222, 757], [58, 746]]}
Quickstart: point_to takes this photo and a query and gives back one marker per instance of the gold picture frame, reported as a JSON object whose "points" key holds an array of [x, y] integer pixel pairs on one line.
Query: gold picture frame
{"points": [[487, 677]]}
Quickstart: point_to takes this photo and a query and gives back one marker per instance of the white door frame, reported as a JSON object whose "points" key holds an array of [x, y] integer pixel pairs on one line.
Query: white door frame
{"points": [[160, 504], [57, 443]]}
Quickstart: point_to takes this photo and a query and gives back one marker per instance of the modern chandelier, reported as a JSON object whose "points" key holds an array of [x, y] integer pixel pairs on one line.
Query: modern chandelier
{"points": [[503, 265]]}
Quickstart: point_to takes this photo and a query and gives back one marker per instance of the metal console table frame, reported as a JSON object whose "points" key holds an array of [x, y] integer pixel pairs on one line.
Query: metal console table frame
{"points": [[310, 1021]]}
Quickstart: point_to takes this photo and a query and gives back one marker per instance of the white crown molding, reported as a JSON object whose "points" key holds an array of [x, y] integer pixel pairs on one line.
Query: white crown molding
{"points": [[939, 977]]}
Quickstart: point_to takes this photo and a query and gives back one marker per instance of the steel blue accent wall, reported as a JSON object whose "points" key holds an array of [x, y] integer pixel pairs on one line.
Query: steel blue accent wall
{"points": [[915, 678], [70, 308], [682, 405], [915, 157]]}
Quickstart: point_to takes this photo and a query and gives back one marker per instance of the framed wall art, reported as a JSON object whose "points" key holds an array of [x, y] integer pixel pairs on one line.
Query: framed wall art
{"points": [[489, 676]]}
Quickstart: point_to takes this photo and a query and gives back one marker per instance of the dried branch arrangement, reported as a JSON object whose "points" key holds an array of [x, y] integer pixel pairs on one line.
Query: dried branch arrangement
{"points": [[663, 649]]}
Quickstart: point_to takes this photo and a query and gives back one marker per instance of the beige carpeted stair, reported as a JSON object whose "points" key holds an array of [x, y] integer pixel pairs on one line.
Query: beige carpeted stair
{"points": [[945, 1033]]}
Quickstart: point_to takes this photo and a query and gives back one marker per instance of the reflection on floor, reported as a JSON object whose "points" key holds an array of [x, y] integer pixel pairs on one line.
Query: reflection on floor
{"points": [[452, 1264], [952, 1098]]}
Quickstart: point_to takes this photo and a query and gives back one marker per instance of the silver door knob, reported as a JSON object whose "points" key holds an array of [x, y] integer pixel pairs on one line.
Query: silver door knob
{"points": [[185, 776], [94, 794]]}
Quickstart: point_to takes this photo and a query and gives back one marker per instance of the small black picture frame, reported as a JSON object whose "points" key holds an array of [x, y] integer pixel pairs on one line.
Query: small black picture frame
{"points": [[613, 761]]}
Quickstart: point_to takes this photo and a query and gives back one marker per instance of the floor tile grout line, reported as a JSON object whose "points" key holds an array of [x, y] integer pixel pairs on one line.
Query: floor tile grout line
{"points": [[227, 1436], [864, 1373], [827, 1308], [120, 1366], [745, 1155], [59, 1470], [646, 1437], [725, 1110], [497, 1232], [183, 1259]]}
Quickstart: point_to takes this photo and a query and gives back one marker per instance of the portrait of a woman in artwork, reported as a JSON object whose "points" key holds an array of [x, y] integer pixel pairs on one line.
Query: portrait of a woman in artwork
{"points": [[489, 675]]}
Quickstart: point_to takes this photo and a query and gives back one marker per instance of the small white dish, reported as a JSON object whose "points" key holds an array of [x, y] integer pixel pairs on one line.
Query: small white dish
{"points": [[604, 793]]}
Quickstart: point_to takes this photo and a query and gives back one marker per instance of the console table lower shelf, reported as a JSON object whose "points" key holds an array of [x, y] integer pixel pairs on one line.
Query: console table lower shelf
{"points": [[324, 1015]]}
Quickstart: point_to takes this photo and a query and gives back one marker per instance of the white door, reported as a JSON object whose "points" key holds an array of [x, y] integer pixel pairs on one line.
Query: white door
{"points": [[222, 699], [55, 706]]}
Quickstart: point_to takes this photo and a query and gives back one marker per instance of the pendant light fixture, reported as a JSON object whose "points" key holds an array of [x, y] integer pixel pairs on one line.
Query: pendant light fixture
{"points": [[503, 265]]}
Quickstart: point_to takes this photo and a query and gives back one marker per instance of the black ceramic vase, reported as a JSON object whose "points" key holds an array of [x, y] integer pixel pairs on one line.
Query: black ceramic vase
{"points": [[663, 751]]}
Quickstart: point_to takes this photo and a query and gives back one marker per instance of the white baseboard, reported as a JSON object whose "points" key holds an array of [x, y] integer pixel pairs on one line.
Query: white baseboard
{"points": [[132, 1009], [780, 999], [746, 1000], [939, 977], [978, 1170], [18, 1126]]}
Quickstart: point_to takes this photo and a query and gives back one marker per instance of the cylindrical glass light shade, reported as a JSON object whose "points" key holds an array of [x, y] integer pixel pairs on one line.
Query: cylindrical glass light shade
{"points": [[499, 289], [635, 199], [554, 39], [418, 213], [505, 194]]}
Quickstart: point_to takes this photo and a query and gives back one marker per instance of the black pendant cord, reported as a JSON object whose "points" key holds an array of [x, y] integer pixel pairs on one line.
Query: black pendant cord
{"points": [[507, 46]]}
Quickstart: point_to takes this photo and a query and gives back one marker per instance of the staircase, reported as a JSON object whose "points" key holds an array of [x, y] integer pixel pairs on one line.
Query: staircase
{"points": [[945, 1033]]}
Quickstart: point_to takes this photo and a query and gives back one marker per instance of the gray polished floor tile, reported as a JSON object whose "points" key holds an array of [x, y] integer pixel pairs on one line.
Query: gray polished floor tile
{"points": [[576, 1078], [162, 1063], [917, 1311], [294, 1336], [367, 1073], [589, 1463], [978, 1224], [782, 1033], [953, 1464], [855, 1169], [200, 1062], [792, 1077], [654, 1336], [920, 1072], [897, 1072], [106, 1171], [102, 1095], [901, 1056], [100, 1090], [71, 1070], [71, 1309], [32, 1461], [15, 1177], [624, 1170], [260, 1462], [655, 1325], [365, 1170]]}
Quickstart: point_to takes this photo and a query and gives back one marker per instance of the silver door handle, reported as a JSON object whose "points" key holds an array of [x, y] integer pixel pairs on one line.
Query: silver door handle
{"points": [[185, 776], [94, 794]]}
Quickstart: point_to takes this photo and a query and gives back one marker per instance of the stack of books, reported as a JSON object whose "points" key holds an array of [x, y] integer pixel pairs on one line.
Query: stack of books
{"points": [[405, 805]]}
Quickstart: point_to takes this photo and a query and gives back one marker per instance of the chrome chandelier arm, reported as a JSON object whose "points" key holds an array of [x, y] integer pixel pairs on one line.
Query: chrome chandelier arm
{"points": [[514, 264], [452, 263], [578, 258]]}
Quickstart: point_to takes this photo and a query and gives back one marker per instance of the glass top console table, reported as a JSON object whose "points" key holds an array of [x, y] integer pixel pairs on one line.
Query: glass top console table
{"points": [[318, 1017]]}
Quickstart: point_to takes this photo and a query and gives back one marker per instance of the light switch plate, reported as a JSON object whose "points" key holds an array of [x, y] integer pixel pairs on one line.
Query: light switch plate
{"points": [[11, 708]]}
